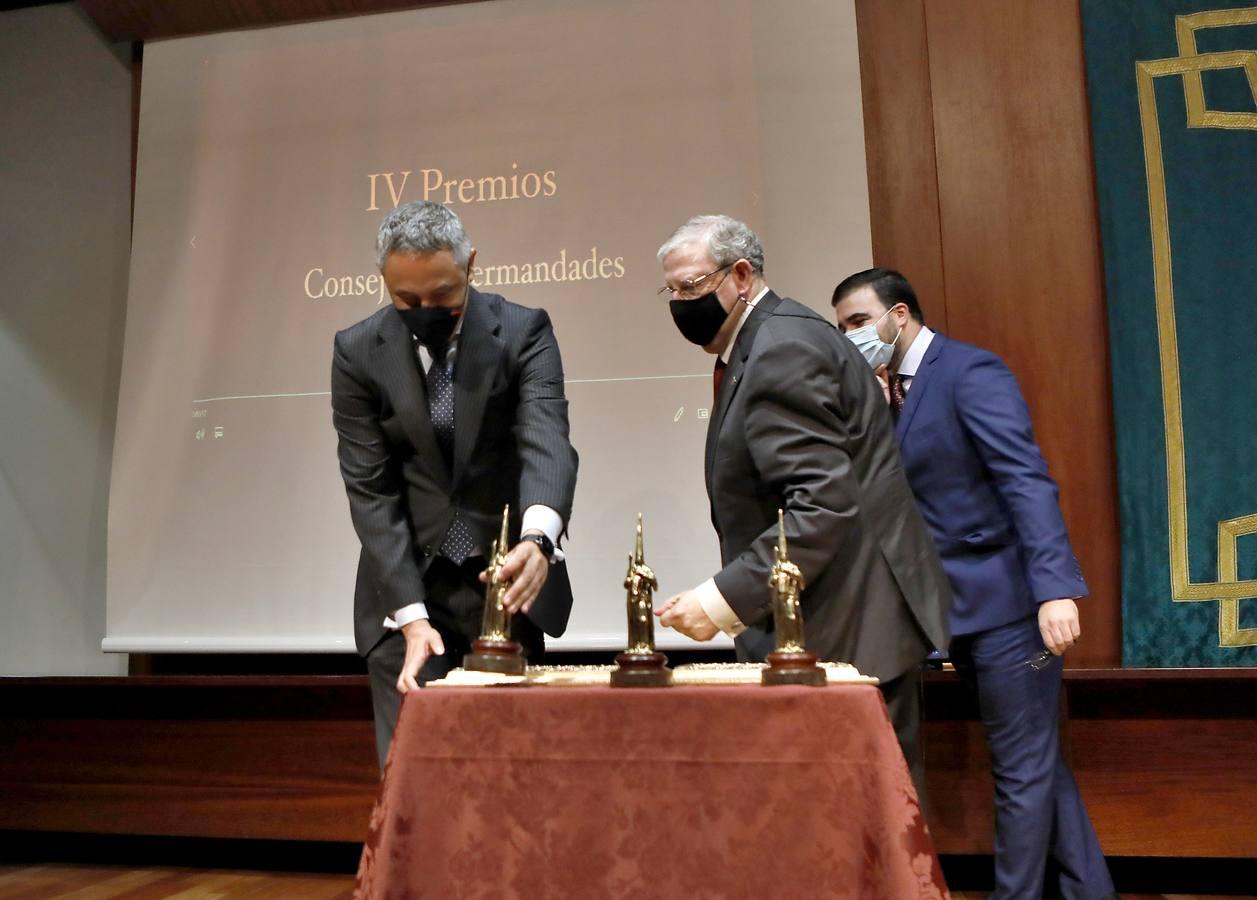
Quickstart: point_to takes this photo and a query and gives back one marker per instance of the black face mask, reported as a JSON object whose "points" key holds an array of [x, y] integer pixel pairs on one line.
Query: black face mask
{"points": [[699, 320], [432, 325]]}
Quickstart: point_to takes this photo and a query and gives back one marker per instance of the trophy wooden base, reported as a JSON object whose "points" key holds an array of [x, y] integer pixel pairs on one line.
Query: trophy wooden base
{"points": [[641, 670], [502, 657], [793, 668]]}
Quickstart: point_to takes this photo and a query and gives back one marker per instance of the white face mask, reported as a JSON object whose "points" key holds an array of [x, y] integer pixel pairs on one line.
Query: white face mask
{"points": [[870, 344]]}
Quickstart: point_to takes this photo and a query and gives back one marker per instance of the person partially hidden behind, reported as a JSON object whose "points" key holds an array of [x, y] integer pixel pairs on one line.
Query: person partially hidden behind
{"points": [[799, 423], [984, 489], [448, 405]]}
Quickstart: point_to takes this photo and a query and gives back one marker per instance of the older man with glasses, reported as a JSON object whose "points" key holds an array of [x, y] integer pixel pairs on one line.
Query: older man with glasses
{"points": [[799, 423]]}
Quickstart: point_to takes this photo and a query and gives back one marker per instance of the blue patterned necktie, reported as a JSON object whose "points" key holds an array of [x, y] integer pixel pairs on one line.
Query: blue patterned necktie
{"points": [[458, 542]]}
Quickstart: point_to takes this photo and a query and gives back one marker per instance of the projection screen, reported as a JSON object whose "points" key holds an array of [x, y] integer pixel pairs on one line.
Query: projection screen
{"points": [[571, 136]]}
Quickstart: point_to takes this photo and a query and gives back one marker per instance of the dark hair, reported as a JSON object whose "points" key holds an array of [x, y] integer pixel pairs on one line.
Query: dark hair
{"points": [[890, 287]]}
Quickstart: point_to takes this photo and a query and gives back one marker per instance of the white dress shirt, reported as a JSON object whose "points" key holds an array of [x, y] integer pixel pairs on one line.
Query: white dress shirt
{"points": [[916, 354]]}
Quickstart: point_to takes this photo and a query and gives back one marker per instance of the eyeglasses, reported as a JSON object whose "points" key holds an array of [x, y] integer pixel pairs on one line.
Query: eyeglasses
{"points": [[1040, 661], [689, 289]]}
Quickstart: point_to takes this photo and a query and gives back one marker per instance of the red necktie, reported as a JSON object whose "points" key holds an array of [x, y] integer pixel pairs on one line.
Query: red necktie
{"points": [[897, 395], [717, 376]]}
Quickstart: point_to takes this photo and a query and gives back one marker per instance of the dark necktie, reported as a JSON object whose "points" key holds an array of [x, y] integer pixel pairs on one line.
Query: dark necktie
{"points": [[897, 394], [717, 376], [458, 542], [441, 404]]}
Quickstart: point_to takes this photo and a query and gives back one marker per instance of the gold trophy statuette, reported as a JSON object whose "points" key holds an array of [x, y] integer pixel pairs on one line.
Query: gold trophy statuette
{"points": [[640, 665], [494, 651], [790, 663]]}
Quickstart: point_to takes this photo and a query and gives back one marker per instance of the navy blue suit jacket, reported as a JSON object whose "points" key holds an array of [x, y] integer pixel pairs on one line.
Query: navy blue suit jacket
{"points": [[983, 488]]}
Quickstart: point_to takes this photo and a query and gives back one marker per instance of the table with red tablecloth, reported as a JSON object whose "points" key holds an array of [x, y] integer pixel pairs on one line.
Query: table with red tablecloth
{"points": [[684, 792]]}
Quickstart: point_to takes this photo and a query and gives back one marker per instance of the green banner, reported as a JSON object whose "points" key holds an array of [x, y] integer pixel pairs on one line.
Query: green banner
{"points": [[1173, 90]]}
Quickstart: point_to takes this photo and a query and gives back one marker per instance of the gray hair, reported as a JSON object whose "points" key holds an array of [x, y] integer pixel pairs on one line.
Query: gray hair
{"points": [[727, 240], [422, 227]]}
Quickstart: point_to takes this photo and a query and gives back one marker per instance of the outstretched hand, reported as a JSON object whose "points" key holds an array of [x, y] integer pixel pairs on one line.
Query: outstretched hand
{"points": [[684, 613], [422, 643]]}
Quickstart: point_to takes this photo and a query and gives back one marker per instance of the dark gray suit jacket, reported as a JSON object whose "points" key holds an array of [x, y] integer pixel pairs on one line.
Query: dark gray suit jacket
{"points": [[800, 423], [510, 446]]}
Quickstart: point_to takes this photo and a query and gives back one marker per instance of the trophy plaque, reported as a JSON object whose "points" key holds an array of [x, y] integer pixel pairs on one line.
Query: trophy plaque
{"points": [[641, 665], [494, 651], [789, 663]]}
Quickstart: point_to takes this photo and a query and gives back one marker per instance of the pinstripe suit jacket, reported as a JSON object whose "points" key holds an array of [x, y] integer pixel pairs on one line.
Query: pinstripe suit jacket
{"points": [[510, 446]]}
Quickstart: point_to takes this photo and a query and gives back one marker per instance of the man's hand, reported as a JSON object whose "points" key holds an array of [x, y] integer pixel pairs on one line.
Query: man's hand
{"points": [[526, 568], [1058, 624], [883, 378], [422, 642], [685, 613]]}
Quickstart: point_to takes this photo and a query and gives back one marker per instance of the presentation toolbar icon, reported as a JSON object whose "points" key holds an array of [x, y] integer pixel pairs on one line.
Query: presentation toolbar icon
{"points": [[218, 432], [200, 434]]}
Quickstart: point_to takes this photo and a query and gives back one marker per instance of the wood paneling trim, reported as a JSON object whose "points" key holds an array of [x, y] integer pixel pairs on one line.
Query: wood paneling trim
{"points": [[145, 20]]}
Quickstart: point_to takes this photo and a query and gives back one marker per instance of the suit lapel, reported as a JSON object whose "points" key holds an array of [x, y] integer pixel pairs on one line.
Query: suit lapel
{"points": [[733, 375], [405, 386], [920, 384], [479, 349]]}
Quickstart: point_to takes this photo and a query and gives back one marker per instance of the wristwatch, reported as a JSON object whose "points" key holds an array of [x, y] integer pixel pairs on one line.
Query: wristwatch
{"points": [[546, 545]]}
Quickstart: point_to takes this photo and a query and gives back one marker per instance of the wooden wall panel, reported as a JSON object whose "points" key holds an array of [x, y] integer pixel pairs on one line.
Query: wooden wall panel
{"points": [[1161, 758], [222, 757], [1018, 236], [899, 147], [1188, 793], [959, 786], [1021, 251]]}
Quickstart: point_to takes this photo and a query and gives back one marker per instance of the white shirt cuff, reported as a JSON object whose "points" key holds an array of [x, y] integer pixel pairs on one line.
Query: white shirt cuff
{"points": [[718, 609], [407, 614], [548, 522]]}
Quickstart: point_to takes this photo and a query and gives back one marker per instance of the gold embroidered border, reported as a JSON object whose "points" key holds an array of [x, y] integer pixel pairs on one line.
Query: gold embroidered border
{"points": [[1198, 115], [1229, 632], [1228, 588]]}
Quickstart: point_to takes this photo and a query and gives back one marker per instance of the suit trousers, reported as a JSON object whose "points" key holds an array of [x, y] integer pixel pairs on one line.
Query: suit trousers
{"points": [[1038, 808], [903, 705], [455, 603]]}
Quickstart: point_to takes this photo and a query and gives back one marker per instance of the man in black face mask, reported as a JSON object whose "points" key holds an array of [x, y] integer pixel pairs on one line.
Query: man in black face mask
{"points": [[448, 405], [799, 423]]}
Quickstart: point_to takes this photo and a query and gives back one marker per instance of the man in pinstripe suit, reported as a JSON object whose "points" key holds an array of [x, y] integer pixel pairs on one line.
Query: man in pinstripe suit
{"points": [[448, 405]]}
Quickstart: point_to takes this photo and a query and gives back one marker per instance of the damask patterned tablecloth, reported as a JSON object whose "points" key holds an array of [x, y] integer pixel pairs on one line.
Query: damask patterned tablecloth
{"points": [[686, 792]]}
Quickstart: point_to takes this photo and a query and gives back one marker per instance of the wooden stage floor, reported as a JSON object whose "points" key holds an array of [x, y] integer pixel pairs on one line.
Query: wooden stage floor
{"points": [[45, 882]]}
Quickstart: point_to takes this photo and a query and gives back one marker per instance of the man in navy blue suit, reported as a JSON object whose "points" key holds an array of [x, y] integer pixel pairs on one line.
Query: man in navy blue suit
{"points": [[984, 490]]}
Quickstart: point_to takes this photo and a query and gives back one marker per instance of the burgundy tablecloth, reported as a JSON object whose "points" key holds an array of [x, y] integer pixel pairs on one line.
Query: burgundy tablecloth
{"points": [[683, 792]]}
